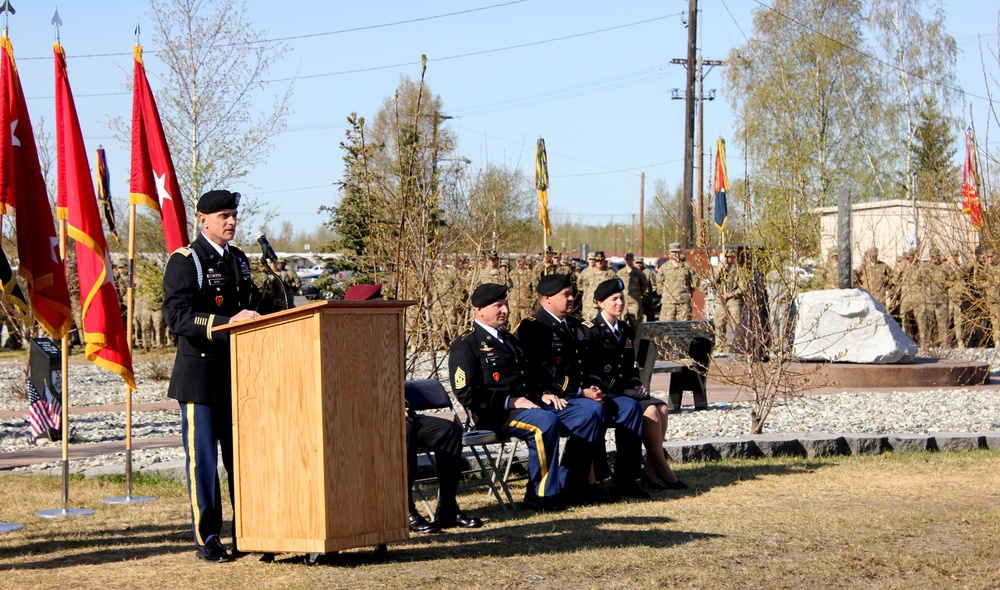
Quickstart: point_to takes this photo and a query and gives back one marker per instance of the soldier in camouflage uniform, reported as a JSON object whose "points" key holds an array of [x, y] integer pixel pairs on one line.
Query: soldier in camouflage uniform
{"points": [[593, 276], [932, 315], [291, 280], [957, 286], [874, 276], [825, 276], [989, 288], [635, 286], [676, 282], [520, 296], [271, 287], [730, 289], [491, 273], [907, 292], [649, 271]]}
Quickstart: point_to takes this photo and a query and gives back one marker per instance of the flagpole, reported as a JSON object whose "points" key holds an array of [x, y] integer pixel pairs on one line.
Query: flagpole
{"points": [[64, 367]]}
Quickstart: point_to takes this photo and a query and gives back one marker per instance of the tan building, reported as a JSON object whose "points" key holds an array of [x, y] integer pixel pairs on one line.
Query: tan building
{"points": [[891, 226]]}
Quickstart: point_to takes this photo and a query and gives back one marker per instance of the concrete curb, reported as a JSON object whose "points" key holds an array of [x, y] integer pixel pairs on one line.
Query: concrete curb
{"points": [[809, 445]]}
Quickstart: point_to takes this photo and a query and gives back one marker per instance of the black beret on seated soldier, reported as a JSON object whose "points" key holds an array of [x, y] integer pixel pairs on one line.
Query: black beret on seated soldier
{"points": [[208, 284], [488, 294]]}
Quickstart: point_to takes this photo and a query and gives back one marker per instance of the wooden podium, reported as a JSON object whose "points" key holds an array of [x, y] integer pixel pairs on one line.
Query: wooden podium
{"points": [[318, 427]]}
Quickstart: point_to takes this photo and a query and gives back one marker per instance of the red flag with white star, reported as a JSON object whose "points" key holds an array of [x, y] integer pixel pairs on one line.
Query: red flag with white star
{"points": [[23, 188], [103, 329], [154, 183]]}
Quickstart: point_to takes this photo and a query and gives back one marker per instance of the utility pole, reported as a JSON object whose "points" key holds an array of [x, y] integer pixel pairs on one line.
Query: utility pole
{"points": [[694, 64], [701, 140], [642, 213], [687, 214]]}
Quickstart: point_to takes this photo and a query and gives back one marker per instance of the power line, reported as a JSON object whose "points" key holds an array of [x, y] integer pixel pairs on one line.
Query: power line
{"points": [[473, 53], [311, 35]]}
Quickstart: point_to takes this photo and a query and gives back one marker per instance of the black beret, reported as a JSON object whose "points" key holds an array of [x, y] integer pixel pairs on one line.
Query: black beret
{"points": [[552, 284], [213, 201], [488, 294], [608, 288]]}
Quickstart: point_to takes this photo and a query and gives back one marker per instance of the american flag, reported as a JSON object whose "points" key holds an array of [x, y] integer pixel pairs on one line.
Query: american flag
{"points": [[44, 411]]}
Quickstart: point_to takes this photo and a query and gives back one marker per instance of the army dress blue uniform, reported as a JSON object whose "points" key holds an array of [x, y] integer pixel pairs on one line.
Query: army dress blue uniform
{"points": [[203, 289], [553, 350], [609, 363], [486, 374]]}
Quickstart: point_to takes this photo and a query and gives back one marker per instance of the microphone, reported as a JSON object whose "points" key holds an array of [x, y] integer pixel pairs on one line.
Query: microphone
{"points": [[266, 248]]}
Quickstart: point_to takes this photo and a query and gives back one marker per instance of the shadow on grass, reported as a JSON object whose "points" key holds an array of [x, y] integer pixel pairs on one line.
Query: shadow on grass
{"points": [[98, 547], [523, 538], [706, 476]]}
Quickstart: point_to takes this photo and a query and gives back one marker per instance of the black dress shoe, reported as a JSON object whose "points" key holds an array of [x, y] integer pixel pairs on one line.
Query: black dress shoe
{"points": [[675, 485], [419, 524], [649, 482], [548, 504], [628, 490], [459, 519], [214, 552]]}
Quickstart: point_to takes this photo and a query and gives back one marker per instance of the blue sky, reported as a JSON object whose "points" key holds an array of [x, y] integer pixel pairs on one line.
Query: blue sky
{"points": [[592, 77]]}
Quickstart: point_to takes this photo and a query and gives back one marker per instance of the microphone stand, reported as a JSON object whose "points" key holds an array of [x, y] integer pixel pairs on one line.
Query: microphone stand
{"points": [[281, 283]]}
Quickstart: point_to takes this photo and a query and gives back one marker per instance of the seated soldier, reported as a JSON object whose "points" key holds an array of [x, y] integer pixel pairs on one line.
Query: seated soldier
{"points": [[443, 437], [553, 343], [486, 366]]}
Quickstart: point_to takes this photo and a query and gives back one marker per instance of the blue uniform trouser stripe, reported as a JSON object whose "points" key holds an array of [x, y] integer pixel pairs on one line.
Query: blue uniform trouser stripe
{"points": [[539, 429], [204, 430]]}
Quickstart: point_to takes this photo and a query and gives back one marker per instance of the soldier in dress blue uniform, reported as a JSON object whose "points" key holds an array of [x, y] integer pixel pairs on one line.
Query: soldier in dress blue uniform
{"points": [[609, 361], [208, 284], [553, 341], [486, 366]]}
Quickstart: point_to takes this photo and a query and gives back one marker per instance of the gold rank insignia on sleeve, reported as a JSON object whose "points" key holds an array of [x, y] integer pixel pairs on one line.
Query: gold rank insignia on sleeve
{"points": [[201, 321], [588, 323], [460, 378]]}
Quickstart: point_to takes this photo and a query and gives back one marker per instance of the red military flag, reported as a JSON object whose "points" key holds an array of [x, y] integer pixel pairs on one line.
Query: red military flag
{"points": [[103, 329], [23, 188], [154, 183], [970, 191]]}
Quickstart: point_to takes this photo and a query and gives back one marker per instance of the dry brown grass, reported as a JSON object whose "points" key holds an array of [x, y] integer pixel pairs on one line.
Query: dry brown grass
{"points": [[895, 521]]}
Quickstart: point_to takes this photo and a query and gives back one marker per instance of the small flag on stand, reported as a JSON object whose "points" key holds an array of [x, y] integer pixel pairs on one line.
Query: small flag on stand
{"points": [[44, 411], [721, 187]]}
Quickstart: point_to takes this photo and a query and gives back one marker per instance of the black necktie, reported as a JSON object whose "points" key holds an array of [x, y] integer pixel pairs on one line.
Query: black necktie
{"points": [[229, 261]]}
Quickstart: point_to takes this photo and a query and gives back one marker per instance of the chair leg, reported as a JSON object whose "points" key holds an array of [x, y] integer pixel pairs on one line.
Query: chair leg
{"points": [[489, 478]]}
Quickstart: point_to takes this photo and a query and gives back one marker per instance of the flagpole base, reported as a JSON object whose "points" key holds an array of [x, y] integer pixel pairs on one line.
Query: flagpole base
{"points": [[129, 500], [63, 512], [7, 527]]}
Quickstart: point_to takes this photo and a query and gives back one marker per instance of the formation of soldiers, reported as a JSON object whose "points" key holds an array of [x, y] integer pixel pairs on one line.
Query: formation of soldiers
{"points": [[454, 280], [940, 299]]}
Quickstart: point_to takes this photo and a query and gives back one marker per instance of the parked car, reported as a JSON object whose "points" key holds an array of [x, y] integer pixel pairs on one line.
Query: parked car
{"points": [[310, 273]]}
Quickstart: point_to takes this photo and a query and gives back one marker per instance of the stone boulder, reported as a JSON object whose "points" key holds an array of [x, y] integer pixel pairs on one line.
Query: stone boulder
{"points": [[848, 326]]}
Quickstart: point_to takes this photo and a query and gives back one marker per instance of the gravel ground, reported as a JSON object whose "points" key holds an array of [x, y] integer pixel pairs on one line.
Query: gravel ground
{"points": [[924, 412]]}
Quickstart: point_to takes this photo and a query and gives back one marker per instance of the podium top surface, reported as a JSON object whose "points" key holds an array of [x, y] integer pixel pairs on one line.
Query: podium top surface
{"points": [[317, 306]]}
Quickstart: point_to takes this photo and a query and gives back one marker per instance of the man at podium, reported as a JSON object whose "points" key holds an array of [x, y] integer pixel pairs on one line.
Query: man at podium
{"points": [[208, 284]]}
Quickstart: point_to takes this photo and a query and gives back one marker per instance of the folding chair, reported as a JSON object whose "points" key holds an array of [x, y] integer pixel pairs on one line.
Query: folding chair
{"points": [[429, 394]]}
